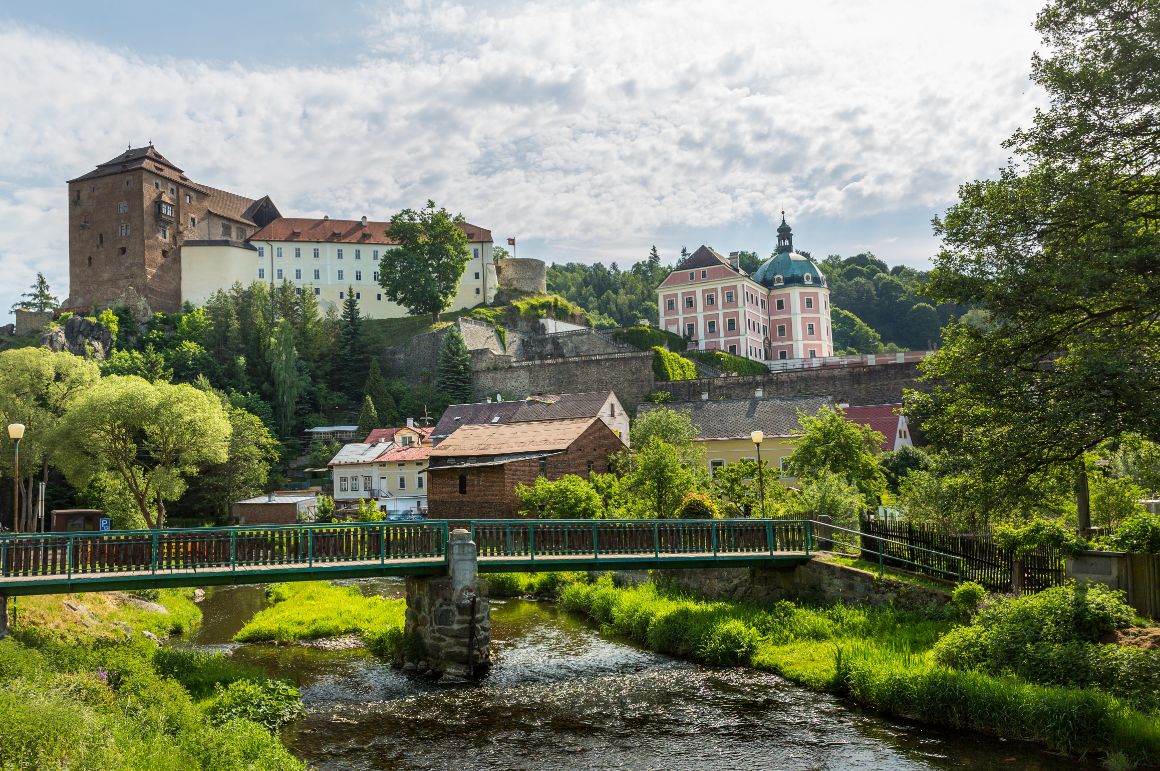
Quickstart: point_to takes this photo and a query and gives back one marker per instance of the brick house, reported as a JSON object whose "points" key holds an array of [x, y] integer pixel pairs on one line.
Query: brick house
{"points": [[474, 472]]}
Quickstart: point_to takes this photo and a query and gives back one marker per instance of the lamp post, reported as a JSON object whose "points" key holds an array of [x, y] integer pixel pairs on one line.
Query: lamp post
{"points": [[758, 437], [16, 433]]}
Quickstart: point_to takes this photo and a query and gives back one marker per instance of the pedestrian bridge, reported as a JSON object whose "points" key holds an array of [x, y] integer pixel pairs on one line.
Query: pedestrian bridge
{"points": [[51, 563]]}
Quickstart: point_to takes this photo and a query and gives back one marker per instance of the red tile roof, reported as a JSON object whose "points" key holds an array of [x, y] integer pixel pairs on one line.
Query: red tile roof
{"points": [[881, 417], [324, 230], [508, 438], [388, 434], [400, 453]]}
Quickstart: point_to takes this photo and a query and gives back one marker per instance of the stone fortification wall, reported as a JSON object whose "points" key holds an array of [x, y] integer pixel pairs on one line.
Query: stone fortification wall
{"points": [[813, 581], [584, 342], [630, 375], [28, 322], [877, 384], [518, 276]]}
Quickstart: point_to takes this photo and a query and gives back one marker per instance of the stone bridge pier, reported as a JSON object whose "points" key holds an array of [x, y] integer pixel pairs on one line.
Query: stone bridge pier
{"points": [[448, 626]]}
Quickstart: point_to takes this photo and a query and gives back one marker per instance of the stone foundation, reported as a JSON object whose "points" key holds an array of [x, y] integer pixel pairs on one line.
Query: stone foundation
{"points": [[448, 623], [439, 630]]}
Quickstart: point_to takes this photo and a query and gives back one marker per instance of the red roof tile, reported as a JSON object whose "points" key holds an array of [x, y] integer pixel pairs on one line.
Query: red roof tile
{"points": [[881, 417], [312, 230]]}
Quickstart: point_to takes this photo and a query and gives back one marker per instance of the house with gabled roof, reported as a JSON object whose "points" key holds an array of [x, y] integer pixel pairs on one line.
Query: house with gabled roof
{"points": [[594, 404], [388, 467], [473, 473]]}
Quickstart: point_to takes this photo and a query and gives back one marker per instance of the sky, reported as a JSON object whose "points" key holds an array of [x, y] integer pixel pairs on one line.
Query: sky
{"points": [[588, 130]]}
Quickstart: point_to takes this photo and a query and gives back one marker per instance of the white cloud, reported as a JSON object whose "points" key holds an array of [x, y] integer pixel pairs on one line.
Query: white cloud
{"points": [[589, 127]]}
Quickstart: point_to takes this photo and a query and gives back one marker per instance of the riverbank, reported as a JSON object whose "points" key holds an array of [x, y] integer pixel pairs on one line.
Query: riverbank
{"points": [[878, 657], [83, 684]]}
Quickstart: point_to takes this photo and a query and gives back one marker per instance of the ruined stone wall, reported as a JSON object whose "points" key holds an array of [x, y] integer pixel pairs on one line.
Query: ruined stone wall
{"points": [[521, 276]]}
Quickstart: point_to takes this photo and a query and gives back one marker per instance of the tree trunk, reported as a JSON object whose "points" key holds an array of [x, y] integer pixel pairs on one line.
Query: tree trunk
{"points": [[1082, 501]]}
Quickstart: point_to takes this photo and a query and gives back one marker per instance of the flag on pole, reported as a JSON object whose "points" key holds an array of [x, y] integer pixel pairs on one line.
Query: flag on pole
{"points": [[511, 242]]}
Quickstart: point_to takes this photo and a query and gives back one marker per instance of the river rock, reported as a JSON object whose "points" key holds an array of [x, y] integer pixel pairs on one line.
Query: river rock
{"points": [[198, 595]]}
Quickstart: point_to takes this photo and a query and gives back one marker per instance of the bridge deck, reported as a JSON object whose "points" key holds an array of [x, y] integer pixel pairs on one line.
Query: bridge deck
{"points": [[79, 562]]}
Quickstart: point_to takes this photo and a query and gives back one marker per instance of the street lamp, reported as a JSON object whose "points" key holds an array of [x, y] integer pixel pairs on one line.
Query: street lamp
{"points": [[16, 433], [758, 437]]}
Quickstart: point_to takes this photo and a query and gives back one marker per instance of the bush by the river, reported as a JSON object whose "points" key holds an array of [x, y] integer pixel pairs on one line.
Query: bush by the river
{"points": [[272, 703], [882, 657], [1052, 638], [100, 700], [547, 585], [314, 610]]}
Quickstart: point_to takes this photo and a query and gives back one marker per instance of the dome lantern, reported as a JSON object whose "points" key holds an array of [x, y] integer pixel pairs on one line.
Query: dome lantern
{"points": [[784, 236]]}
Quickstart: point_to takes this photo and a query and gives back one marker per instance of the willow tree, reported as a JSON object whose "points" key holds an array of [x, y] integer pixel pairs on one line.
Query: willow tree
{"points": [[287, 380], [1063, 250]]}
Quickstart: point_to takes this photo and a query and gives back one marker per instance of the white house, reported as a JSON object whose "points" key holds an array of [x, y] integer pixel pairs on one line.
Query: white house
{"points": [[327, 257], [388, 467]]}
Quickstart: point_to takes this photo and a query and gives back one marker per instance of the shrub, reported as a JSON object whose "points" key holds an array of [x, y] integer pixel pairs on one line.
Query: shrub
{"points": [[645, 338], [671, 366], [697, 505], [1038, 533], [729, 644], [727, 362], [1139, 533], [271, 703], [569, 497], [967, 596]]}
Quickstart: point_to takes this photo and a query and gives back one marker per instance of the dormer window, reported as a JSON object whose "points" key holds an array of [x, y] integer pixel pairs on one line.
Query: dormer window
{"points": [[778, 280], [809, 278]]}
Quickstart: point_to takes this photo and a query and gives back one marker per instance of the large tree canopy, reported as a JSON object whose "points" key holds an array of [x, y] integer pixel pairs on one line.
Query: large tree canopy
{"points": [[423, 274], [149, 437], [1063, 250]]}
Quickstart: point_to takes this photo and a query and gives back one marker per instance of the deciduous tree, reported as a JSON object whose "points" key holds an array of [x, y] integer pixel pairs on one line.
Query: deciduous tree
{"points": [[423, 273], [831, 443], [151, 436]]}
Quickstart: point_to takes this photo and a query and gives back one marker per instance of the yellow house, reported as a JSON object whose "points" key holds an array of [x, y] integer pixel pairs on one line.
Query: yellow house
{"points": [[725, 428]]}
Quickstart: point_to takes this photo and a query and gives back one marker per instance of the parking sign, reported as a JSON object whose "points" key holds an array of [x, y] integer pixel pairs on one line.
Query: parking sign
{"points": [[106, 524]]}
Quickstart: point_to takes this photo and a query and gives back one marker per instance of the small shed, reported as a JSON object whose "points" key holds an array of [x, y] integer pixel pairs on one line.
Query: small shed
{"points": [[273, 509], [74, 520]]}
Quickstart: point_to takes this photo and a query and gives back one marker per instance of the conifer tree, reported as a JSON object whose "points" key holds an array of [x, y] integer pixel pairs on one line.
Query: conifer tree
{"points": [[453, 376], [376, 389], [350, 368], [368, 418], [39, 299]]}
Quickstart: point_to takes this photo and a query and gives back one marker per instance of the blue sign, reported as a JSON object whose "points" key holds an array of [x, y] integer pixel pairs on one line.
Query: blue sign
{"points": [[106, 524]]}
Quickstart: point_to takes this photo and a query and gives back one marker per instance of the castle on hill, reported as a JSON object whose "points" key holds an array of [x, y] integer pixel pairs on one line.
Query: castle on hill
{"points": [[138, 221]]}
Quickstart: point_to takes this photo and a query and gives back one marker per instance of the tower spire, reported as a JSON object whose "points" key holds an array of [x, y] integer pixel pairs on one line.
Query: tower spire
{"points": [[784, 236]]}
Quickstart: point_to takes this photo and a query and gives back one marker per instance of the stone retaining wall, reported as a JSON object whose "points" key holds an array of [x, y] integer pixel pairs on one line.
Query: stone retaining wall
{"points": [[813, 581]]}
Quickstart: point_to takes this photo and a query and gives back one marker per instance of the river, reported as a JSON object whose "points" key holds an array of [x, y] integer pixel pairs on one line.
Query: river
{"points": [[562, 697]]}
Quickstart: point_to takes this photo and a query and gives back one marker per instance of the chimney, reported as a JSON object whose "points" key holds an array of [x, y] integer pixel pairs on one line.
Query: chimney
{"points": [[498, 398], [410, 422], [325, 216], [704, 396], [270, 497], [364, 221], [758, 392], [735, 260]]}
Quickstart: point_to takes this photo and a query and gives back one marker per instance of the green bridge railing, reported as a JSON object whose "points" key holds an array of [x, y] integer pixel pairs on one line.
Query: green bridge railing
{"points": [[522, 540], [33, 563]]}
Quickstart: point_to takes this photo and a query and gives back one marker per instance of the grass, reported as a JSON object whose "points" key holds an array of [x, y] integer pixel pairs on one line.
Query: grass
{"points": [[546, 585], [879, 657], [388, 333], [314, 610], [105, 616], [82, 689]]}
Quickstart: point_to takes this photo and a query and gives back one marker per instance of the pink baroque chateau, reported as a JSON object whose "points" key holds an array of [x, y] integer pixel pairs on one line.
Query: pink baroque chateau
{"points": [[780, 312]]}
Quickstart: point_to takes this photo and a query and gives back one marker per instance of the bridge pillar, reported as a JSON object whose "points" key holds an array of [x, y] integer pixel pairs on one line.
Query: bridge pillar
{"points": [[448, 626], [3, 616]]}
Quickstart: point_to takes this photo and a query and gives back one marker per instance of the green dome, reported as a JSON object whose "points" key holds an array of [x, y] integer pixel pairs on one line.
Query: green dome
{"points": [[793, 269]]}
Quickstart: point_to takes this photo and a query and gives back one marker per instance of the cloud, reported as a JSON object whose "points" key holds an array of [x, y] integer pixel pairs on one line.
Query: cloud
{"points": [[585, 128]]}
